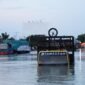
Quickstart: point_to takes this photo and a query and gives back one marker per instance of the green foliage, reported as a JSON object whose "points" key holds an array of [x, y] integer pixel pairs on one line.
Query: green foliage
{"points": [[4, 36], [81, 37], [34, 39], [11, 38]]}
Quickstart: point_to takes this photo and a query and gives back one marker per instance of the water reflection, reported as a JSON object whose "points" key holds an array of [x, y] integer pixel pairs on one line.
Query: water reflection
{"points": [[55, 74], [22, 57], [23, 70]]}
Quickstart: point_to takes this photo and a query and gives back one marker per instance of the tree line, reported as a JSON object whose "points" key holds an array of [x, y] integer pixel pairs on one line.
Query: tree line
{"points": [[33, 39], [81, 37]]}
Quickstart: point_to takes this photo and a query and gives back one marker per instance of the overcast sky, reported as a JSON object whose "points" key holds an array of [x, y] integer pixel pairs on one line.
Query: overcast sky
{"points": [[24, 17]]}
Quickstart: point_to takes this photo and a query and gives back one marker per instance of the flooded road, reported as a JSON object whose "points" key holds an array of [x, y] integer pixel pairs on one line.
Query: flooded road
{"points": [[23, 70]]}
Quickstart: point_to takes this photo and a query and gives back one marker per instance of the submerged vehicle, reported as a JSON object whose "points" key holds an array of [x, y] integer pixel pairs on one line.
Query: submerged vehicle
{"points": [[5, 49], [53, 57], [14, 47], [23, 49], [20, 46]]}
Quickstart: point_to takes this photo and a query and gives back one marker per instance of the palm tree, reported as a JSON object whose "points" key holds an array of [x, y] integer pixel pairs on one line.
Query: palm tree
{"points": [[4, 36]]}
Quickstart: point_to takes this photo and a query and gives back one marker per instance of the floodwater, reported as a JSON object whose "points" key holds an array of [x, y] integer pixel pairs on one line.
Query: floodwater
{"points": [[23, 70]]}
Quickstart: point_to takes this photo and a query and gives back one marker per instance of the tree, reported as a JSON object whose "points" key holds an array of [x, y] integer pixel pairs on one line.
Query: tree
{"points": [[34, 39], [81, 37], [4, 36], [12, 38]]}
